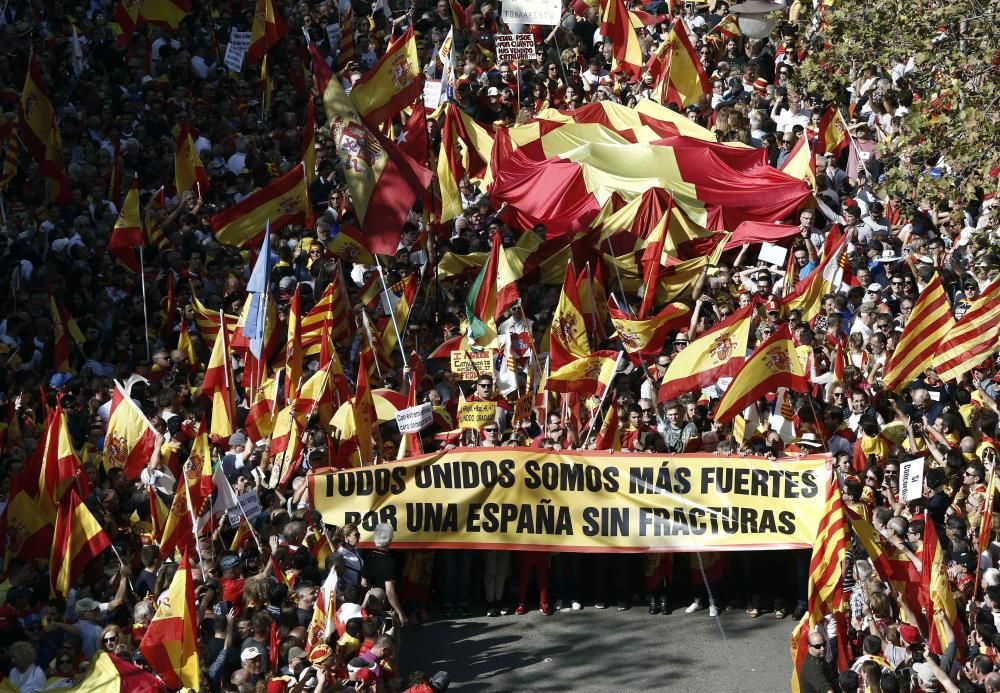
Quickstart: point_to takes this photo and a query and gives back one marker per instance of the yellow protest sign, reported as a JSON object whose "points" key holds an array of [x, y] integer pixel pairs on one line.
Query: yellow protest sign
{"points": [[469, 365], [476, 414], [522, 407], [506, 498]]}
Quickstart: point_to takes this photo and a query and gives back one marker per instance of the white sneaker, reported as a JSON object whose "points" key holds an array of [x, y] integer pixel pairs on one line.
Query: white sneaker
{"points": [[559, 604], [712, 611], [576, 605], [696, 605]]}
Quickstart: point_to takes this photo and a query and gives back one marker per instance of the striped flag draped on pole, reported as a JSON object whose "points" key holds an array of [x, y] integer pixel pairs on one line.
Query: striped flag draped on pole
{"points": [[926, 328], [973, 338]]}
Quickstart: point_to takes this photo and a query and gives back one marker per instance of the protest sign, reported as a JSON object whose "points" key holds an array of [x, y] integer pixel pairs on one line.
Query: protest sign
{"points": [[511, 47], [522, 408], [432, 93], [544, 12], [333, 34], [475, 415], [236, 50], [414, 419], [469, 365], [249, 504], [527, 499], [911, 479]]}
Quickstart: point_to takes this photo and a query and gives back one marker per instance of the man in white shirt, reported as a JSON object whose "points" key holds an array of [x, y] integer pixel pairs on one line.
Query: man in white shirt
{"points": [[865, 321]]}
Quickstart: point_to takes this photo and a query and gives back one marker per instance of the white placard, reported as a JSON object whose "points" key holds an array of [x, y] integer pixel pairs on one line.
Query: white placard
{"points": [[911, 479], [414, 419], [544, 12], [773, 254], [512, 47], [250, 504], [333, 35], [239, 43], [432, 93]]}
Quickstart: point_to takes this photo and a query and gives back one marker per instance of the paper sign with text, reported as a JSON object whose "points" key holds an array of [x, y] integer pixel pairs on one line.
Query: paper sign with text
{"points": [[415, 419], [239, 43], [544, 12], [469, 365], [250, 504], [911, 479], [432, 93], [511, 47], [476, 415]]}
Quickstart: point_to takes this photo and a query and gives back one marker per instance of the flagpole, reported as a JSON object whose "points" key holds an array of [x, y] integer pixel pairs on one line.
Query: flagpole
{"points": [[262, 319], [593, 420], [392, 309], [850, 136], [145, 308], [983, 521], [194, 521], [621, 286]]}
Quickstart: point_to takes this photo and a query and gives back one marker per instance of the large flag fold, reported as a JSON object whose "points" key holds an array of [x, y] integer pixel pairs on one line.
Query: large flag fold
{"points": [[170, 644], [773, 364], [283, 201], [78, 539], [926, 328]]}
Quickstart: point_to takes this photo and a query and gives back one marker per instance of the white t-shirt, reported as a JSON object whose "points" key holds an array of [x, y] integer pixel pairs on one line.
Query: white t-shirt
{"points": [[30, 681]]}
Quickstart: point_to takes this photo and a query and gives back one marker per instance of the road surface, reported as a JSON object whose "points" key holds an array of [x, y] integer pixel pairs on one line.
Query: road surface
{"points": [[592, 650]]}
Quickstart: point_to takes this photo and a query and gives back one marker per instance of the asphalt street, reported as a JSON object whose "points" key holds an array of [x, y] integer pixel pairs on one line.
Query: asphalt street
{"points": [[593, 650]]}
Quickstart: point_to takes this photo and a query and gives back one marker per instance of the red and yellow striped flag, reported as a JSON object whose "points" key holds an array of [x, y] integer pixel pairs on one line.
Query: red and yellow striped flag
{"points": [[568, 335], [165, 13], [392, 84], [679, 77], [936, 596], [648, 336], [833, 136], [283, 201], [926, 328], [260, 418], [208, 321], [130, 439], [331, 312], [268, 28], [127, 234], [773, 364], [587, 375], [40, 132], [78, 540], [194, 487], [617, 25], [189, 172], [309, 142], [170, 644], [293, 345], [973, 338], [218, 386], [345, 47], [60, 338]]}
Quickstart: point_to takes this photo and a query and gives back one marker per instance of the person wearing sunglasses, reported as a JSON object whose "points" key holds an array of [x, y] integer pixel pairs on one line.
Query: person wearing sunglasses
{"points": [[968, 292], [815, 673]]}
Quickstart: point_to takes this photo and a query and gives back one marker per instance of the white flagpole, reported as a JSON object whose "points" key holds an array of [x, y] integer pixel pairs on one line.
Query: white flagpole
{"points": [[145, 308]]}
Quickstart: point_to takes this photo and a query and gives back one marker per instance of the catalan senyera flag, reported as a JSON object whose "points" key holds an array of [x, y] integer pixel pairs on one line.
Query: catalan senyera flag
{"points": [[773, 364], [293, 345], [678, 75], [218, 386], [207, 321], [131, 438], [407, 292], [165, 13], [77, 540], [972, 338], [394, 82], [268, 28], [936, 596], [283, 201], [309, 142], [707, 358], [260, 417], [127, 234], [383, 181], [345, 47], [828, 277], [826, 589], [332, 312], [617, 25], [648, 336], [586, 375], [926, 329], [568, 338], [170, 644], [801, 163], [833, 137], [189, 172], [154, 235]]}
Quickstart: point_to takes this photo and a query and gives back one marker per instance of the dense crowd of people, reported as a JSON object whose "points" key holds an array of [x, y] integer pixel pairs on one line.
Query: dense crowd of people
{"points": [[118, 108]]}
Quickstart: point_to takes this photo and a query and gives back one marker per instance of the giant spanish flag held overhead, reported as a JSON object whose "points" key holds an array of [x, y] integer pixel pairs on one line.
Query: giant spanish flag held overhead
{"points": [[392, 84], [218, 386], [926, 328], [170, 644], [283, 201], [773, 364], [78, 540], [384, 183], [268, 28]]}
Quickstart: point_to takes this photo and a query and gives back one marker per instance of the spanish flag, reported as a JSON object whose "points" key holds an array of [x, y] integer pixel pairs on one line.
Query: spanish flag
{"points": [[833, 137], [189, 172], [394, 83], [586, 375], [218, 386], [466, 150], [617, 25], [158, 512], [208, 321], [707, 358], [286, 444], [364, 416], [384, 182], [130, 439], [164, 13], [78, 539], [127, 234], [293, 345], [679, 77], [647, 337], [609, 437], [774, 364], [40, 131], [936, 596], [186, 346], [927, 328], [973, 338], [828, 277], [60, 338], [194, 488], [568, 338], [493, 292], [283, 201], [801, 163], [268, 28], [170, 644]]}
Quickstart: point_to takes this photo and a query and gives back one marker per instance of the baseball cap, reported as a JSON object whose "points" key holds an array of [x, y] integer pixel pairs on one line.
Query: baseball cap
{"points": [[86, 605], [296, 653], [875, 287], [237, 439], [250, 653], [493, 91], [908, 634], [229, 561], [869, 307], [968, 560]]}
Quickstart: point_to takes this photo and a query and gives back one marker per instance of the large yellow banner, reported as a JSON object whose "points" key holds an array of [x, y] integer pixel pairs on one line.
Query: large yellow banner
{"points": [[528, 499]]}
